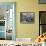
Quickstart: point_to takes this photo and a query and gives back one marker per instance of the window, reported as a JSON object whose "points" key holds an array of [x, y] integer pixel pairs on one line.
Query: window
{"points": [[42, 22]]}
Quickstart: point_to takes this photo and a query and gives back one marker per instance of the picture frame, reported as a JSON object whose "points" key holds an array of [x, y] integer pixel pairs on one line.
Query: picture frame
{"points": [[42, 1], [27, 17]]}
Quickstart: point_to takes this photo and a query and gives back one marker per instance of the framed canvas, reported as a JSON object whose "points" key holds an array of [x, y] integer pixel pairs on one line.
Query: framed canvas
{"points": [[7, 20], [42, 1], [27, 17]]}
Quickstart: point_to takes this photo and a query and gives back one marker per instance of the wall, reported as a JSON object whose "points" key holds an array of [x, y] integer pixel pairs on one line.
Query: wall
{"points": [[27, 30]]}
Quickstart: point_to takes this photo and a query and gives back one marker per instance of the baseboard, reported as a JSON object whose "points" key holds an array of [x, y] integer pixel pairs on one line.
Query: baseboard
{"points": [[24, 39]]}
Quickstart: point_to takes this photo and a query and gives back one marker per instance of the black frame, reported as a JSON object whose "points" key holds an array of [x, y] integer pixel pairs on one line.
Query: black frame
{"points": [[41, 2], [27, 12], [39, 22]]}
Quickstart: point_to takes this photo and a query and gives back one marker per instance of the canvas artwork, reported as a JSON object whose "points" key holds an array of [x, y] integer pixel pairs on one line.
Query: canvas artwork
{"points": [[27, 17]]}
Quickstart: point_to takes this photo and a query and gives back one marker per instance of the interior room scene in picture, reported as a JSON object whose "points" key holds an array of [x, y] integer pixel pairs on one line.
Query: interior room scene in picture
{"points": [[7, 21], [27, 17], [42, 21]]}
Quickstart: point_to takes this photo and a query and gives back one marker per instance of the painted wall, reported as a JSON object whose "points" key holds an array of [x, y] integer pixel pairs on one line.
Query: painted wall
{"points": [[27, 30]]}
